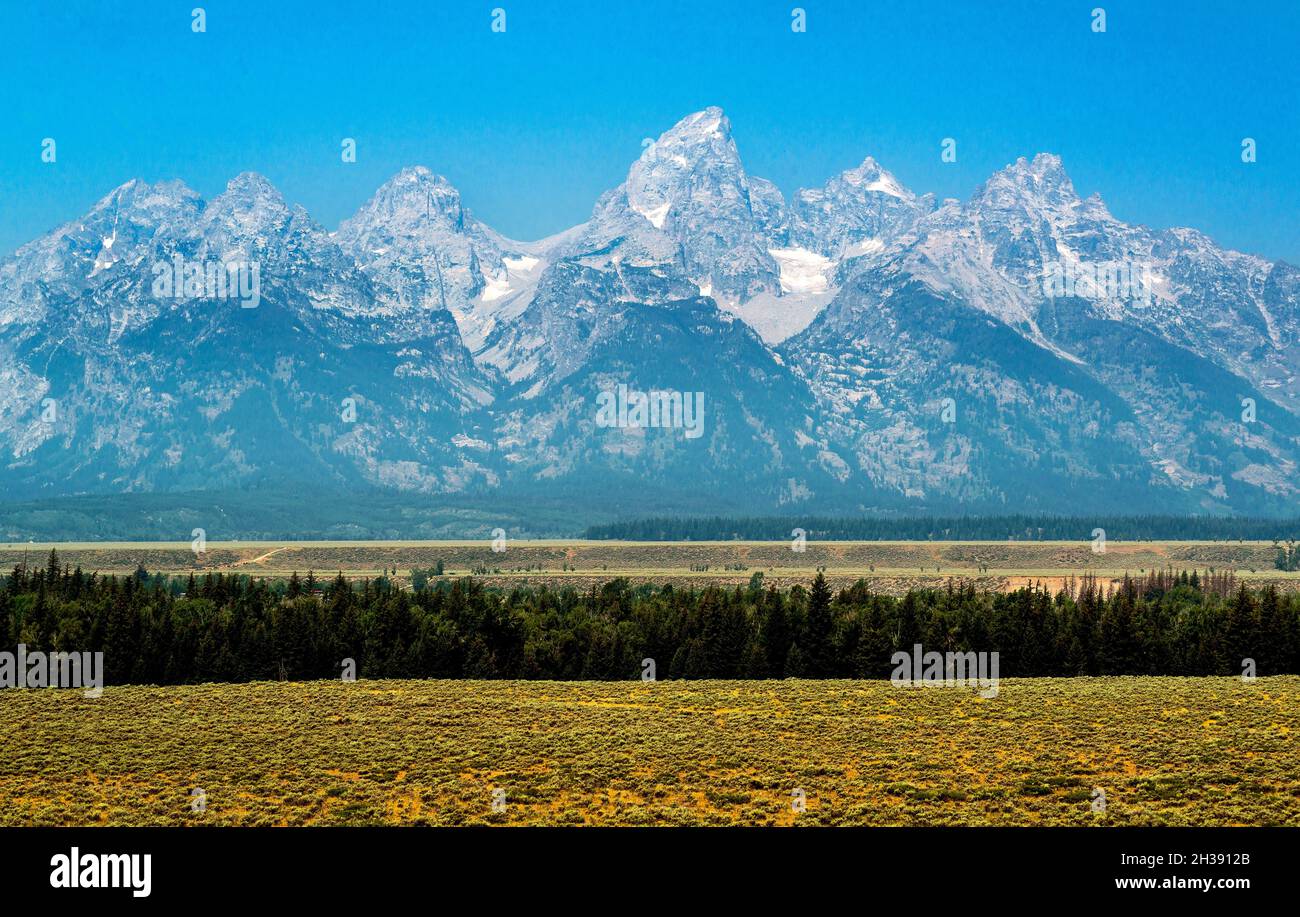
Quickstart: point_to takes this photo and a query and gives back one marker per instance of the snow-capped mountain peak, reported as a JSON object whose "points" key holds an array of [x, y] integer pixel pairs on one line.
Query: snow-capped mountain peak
{"points": [[858, 212], [690, 186], [470, 360], [413, 200], [1040, 184], [415, 236], [695, 157], [253, 191], [871, 177], [143, 201]]}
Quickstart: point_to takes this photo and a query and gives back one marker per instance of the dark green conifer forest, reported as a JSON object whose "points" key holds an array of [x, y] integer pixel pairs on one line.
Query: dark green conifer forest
{"points": [[217, 628]]}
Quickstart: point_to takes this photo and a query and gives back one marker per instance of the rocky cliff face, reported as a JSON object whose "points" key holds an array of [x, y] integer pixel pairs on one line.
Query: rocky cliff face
{"points": [[859, 346]]}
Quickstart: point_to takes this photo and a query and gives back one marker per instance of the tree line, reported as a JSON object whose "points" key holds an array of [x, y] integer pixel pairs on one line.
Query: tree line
{"points": [[949, 528], [221, 628]]}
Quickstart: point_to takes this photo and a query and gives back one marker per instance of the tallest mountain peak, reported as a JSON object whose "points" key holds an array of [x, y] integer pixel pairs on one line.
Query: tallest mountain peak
{"points": [[689, 189], [703, 130], [693, 158], [420, 177], [709, 119]]}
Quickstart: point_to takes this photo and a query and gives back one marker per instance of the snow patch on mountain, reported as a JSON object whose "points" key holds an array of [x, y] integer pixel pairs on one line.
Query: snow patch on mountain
{"points": [[802, 271], [829, 332], [776, 318], [655, 216]]}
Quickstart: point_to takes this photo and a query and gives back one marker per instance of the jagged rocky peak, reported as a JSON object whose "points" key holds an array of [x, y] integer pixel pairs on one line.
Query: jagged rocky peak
{"points": [[690, 185], [870, 176], [136, 211], [702, 137], [416, 236], [413, 199], [1094, 208], [692, 165], [252, 189], [250, 207], [909, 302], [1040, 183], [859, 211], [91, 251], [144, 202]]}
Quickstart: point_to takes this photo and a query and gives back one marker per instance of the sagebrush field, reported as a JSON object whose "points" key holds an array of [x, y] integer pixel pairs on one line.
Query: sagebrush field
{"points": [[1164, 751], [889, 566]]}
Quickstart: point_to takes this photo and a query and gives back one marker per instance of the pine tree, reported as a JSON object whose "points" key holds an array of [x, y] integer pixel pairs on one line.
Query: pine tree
{"points": [[818, 628], [52, 570], [775, 636], [794, 663], [1241, 634]]}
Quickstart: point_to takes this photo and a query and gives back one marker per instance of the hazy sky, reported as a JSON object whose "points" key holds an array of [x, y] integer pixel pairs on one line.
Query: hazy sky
{"points": [[534, 123]]}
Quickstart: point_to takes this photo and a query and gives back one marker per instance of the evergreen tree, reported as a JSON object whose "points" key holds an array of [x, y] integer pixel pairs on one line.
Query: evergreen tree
{"points": [[818, 653]]}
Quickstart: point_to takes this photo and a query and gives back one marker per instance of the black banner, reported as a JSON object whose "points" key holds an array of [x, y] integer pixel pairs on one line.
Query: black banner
{"points": [[653, 868]]}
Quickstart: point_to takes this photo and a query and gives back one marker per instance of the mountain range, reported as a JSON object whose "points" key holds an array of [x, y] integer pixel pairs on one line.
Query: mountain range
{"points": [[858, 347]]}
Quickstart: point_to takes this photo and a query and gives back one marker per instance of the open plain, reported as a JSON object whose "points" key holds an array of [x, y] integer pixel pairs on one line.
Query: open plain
{"points": [[891, 567], [1045, 751]]}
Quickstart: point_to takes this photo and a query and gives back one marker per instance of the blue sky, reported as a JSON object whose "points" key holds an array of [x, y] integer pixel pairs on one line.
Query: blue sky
{"points": [[532, 125]]}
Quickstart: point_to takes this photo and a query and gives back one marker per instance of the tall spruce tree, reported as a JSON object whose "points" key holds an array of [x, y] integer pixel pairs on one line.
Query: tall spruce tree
{"points": [[818, 631]]}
